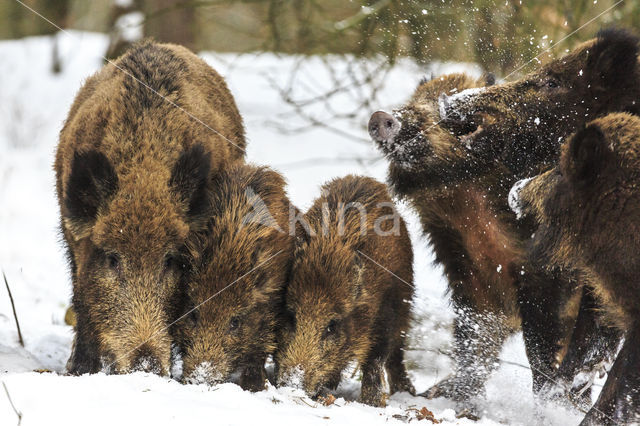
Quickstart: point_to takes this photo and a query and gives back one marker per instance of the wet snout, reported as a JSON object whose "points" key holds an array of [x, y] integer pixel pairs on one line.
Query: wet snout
{"points": [[145, 360], [383, 126], [204, 373]]}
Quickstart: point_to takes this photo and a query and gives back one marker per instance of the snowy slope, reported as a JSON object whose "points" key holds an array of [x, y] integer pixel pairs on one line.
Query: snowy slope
{"points": [[33, 104]]}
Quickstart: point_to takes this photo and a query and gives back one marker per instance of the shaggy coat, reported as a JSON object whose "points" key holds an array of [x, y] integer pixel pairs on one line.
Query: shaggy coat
{"points": [[523, 123], [133, 165], [462, 203], [240, 266], [350, 291], [588, 208]]}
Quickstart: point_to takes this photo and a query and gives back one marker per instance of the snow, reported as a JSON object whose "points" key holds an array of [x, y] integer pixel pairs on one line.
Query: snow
{"points": [[129, 26], [33, 105], [446, 102], [514, 196]]}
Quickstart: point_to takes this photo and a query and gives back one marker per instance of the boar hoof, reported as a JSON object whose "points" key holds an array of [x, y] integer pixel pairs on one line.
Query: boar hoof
{"points": [[402, 385], [374, 398], [447, 388]]}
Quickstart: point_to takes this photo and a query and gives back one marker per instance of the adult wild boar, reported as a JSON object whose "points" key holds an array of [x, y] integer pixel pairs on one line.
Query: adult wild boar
{"points": [[523, 123], [588, 208], [462, 203], [240, 267], [133, 165], [348, 298]]}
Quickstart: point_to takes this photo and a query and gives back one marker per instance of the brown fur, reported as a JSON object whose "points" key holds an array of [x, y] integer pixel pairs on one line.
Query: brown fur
{"points": [[132, 173], [462, 202], [589, 209], [241, 263], [523, 123], [342, 306]]}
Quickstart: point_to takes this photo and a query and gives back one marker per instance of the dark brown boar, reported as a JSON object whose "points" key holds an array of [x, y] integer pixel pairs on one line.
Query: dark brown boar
{"points": [[588, 208], [523, 123], [241, 263], [133, 164], [462, 203], [349, 294]]}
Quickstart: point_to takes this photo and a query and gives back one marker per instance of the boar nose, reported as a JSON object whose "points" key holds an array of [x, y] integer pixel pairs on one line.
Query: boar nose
{"points": [[383, 126], [146, 361]]}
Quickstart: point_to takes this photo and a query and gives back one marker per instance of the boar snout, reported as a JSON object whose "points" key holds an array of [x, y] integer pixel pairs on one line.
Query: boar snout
{"points": [[205, 373], [146, 361], [383, 126], [293, 377]]}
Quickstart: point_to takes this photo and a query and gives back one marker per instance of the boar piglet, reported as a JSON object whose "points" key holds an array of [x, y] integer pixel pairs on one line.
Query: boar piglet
{"points": [[240, 266], [349, 295]]}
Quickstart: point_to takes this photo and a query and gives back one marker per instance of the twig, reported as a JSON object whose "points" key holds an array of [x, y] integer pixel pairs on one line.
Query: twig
{"points": [[18, 413], [13, 306]]}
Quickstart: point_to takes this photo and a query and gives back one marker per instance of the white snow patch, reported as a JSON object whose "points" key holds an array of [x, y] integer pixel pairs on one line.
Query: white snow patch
{"points": [[453, 101], [129, 26], [514, 196]]}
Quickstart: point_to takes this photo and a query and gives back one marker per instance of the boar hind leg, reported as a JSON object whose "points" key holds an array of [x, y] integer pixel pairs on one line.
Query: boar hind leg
{"points": [[592, 345], [254, 375], [619, 401], [372, 392], [397, 373], [478, 338]]}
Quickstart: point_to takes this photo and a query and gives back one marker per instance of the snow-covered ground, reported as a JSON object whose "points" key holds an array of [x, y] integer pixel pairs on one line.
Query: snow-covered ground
{"points": [[33, 104]]}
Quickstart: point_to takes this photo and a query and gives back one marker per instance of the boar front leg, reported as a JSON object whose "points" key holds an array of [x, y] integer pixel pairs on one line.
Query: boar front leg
{"points": [[372, 392], [478, 338], [541, 298], [619, 401], [397, 373], [592, 345], [85, 357]]}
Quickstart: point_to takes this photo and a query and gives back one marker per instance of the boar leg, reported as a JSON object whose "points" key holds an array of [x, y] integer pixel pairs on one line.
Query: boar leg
{"points": [[372, 392], [592, 345], [540, 298], [85, 357], [619, 401], [478, 338], [397, 373], [254, 374]]}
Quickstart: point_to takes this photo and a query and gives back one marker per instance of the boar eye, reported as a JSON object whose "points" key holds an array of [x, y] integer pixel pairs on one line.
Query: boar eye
{"points": [[553, 84], [113, 261], [169, 261], [234, 323], [332, 327]]}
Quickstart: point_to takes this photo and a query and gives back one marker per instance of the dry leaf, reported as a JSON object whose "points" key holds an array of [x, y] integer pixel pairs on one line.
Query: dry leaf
{"points": [[328, 400], [425, 414]]}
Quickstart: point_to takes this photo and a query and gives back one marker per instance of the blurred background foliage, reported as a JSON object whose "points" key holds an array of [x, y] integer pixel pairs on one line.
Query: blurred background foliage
{"points": [[498, 35]]}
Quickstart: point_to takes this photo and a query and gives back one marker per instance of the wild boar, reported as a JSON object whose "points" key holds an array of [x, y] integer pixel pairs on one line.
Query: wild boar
{"points": [[349, 295], [133, 167], [241, 262]]}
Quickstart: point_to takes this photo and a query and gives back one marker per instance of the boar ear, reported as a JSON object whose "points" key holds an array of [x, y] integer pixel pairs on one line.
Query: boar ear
{"points": [[614, 56], [91, 184], [586, 156], [190, 178]]}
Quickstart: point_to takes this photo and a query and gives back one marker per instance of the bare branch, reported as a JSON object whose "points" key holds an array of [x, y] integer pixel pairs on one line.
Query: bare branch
{"points": [[13, 306], [18, 413]]}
